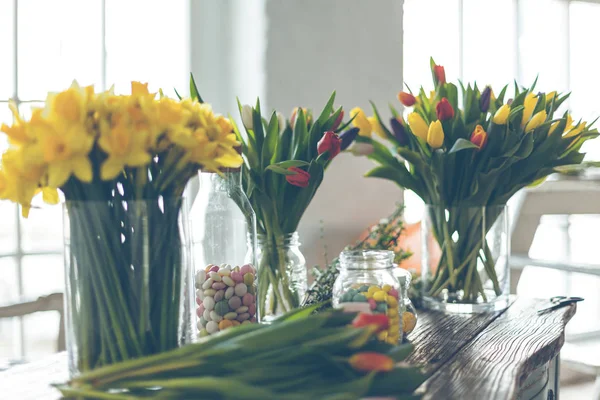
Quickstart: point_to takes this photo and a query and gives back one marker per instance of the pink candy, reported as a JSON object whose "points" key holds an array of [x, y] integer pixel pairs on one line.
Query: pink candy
{"points": [[393, 292], [372, 303], [252, 309], [237, 277], [214, 268], [247, 299], [198, 301], [218, 285], [235, 302], [200, 310], [246, 269]]}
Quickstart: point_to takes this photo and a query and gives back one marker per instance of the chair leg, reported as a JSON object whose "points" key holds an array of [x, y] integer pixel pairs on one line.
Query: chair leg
{"points": [[596, 392]]}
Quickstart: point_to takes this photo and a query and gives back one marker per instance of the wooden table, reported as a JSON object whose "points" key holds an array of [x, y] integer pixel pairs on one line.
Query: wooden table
{"points": [[511, 354]]}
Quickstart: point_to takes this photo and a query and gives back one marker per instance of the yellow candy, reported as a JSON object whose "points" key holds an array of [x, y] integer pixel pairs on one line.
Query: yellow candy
{"points": [[392, 312], [368, 295], [380, 296], [391, 340], [234, 322], [392, 302], [394, 329], [386, 288], [382, 335], [409, 321], [224, 324], [373, 289]]}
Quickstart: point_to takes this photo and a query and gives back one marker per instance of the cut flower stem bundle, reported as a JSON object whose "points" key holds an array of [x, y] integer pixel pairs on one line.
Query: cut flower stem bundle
{"points": [[298, 356]]}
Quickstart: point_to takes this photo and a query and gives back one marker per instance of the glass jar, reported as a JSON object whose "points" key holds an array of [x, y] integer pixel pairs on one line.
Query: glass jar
{"points": [[408, 312], [283, 277], [465, 259], [367, 283], [226, 281], [128, 280]]}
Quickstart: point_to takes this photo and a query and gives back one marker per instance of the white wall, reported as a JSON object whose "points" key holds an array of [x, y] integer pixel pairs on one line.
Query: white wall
{"points": [[296, 53]]}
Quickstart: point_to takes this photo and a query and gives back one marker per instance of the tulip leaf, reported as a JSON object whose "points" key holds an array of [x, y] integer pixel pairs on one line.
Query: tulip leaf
{"points": [[327, 110], [194, 94], [399, 353], [271, 139], [462, 144], [177, 94], [387, 132], [291, 163], [400, 175], [279, 170]]}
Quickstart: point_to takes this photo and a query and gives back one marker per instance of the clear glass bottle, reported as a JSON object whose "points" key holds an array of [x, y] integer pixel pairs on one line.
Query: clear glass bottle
{"points": [[283, 277], [226, 279], [409, 312], [367, 283]]}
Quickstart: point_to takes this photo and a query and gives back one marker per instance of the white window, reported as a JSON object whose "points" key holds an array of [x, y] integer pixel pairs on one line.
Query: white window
{"points": [[44, 46]]}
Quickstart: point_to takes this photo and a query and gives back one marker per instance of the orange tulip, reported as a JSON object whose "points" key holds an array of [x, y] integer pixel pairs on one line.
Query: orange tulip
{"points": [[407, 99], [371, 361]]}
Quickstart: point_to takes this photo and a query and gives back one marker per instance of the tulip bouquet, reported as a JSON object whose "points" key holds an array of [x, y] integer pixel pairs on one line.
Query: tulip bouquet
{"points": [[299, 356], [284, 163], [466, 163], [122, 163]]}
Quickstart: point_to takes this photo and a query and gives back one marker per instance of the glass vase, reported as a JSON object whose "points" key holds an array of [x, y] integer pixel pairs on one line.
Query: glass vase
{"points": [[282, 275], [465, 266], [128, 280], [224, 234], [367, 283], [408, 311]]}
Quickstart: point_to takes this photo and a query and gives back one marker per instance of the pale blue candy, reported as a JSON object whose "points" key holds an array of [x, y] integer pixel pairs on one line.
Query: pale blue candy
{"points": [[222, 307]]}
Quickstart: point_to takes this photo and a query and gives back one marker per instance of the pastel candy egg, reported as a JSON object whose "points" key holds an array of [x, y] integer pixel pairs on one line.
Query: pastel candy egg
{"points": [[373, 289], [200, 278], [248, 279], [213, 268], [224, 265], [212, 327], [202, 322], [219, 285], [380, 296], [230, 315], [241, 289], [222, 307], [203, 333], [392, 302], [235, 302], [228, 281], [241, 310], [235, 323], [363, 288], [352, 292], [372, 304], [229, 292], [251, 290], [243, 317], [246, 269], [393, 292], [208, 267], [359, 298], [252, 309], [215, 276], [237, 277], [392, 312], [198, 300], [236, 269], [382, 335], [225, 324], [200, 310], [200, 294], [225, 271], [247, 299], [209, 292], [219, 295], [381, 308], [215, 317], [209, 303], [208, 283], [206, 315], [246, 322], [253, 320], [386, 288]]}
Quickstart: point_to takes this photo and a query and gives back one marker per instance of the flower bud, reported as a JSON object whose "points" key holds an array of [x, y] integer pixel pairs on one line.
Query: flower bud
{"points": [[407, 99], [348, 137], [484, 100], [361, 122], [417, 125], [280, 122], [330, 142], [371, 361], [440, 74], [377, 128], [301, 178], [479, 137], [536, 121], [362, 149], [501, 116], [338, 121], [435, 135], [399, 131], [247, 117], [444, 110], [380, 320]]}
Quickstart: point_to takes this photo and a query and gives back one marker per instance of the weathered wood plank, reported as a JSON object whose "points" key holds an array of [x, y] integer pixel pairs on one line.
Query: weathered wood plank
{"points": [[495, 365], [440, 336]]}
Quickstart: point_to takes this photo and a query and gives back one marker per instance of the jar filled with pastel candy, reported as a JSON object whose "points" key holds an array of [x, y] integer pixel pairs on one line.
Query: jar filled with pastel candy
{"points": [[409, 312], [225, 297], [367, 283], [222, 220]]}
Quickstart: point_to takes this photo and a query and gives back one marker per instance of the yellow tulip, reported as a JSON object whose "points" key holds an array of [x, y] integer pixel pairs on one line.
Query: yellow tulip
{"points": [[501, 116], [417, 125], [568, 125], [361, 122], [536, 121], [550, 96], [377, 128], [529, 104], [435, 135], [575, 131]]}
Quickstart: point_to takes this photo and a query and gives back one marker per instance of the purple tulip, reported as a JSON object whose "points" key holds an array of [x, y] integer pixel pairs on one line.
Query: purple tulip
{"points": [[348, 137], [399, 132], [484, 100]]}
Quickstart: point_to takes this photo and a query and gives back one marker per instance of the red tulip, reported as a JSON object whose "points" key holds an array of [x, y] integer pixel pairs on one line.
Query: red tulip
{"points": [[338, 121], [300, 178], [444, 110], [479, 137], [330, 142], [380, 320], [440, 74], [371, 361], [407, 99]]}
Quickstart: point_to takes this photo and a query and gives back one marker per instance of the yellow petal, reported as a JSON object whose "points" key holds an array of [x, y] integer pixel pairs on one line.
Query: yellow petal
{"points": [[82, 168], [50, 195], [230, 160], [58, 173], [417, 125], [435, 135], [377, 128], [501, 116], [138, 158], [529, 105], [111, 168], [536, 121]]}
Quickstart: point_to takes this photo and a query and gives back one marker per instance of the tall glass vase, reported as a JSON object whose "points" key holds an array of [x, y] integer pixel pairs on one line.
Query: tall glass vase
{"points": [[465, 262], [282, 274], [128, 280]]}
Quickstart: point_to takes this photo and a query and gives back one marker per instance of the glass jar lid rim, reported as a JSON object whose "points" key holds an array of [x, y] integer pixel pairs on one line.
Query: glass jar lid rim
{"points": [[362, 256]]}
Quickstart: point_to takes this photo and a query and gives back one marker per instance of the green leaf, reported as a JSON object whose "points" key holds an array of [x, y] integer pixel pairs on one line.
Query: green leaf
{"points": [[389, 134], [278, 170], [270, 143], [462, 144], [399, 353], [327, 110], [177, 94], [291, 163], [299, 313], [400, 175], [194, 94]]}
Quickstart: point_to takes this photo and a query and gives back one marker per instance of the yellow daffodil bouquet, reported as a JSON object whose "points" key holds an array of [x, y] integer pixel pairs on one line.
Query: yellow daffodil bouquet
{"points": [[122, 163], [466, 158]]}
